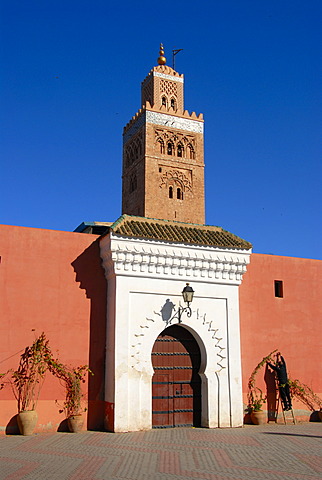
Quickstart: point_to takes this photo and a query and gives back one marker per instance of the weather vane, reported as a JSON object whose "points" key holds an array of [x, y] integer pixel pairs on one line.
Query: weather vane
{"points": [[174, 53]]}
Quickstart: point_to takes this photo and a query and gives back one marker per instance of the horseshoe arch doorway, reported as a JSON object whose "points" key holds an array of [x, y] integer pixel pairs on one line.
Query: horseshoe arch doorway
{"points": [[176, 383]]}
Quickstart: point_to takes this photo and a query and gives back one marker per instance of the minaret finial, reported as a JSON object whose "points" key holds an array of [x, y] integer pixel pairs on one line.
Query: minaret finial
{"points": [[161, 60]]}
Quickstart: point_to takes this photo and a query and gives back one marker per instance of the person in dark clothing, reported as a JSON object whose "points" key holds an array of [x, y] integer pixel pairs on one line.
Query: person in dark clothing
{"points": [[283, 384]]}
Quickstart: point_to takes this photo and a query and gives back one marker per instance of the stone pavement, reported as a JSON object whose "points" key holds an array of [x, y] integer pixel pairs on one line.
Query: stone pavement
{"points": [[252, 452]]}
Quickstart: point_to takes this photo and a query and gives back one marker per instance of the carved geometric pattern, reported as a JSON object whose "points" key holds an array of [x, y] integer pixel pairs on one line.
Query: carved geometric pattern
{"points": [[218, 340], [147, 93], [169, 88], [133, 150], [177, 178]]}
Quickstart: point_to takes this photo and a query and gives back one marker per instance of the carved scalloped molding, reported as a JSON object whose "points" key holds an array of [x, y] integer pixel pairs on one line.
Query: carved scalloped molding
{"points": [[138, 344], [144, 258]]}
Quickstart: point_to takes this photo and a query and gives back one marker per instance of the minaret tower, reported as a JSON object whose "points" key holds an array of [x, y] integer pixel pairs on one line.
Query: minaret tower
{"points": [[163, 153]]}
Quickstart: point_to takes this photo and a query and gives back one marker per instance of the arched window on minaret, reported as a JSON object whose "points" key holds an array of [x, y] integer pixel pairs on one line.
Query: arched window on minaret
{"points": [[179, 194], [161, 145], [173, 103], [133, 183], [170, 148], [131, 155], [127, 158], [170, 192], [180, 150], [191, 152], [164, 101]]}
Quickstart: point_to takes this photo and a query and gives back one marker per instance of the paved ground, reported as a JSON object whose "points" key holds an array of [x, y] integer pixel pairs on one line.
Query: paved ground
{"points": [[252, 452]]}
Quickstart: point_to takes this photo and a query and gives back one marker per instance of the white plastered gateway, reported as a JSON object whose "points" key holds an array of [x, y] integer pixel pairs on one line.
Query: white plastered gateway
{"points": [[142, 277]]}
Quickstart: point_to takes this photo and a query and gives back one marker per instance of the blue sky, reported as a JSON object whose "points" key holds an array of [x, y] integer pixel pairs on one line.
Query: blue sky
{"points": [[70, 80]]}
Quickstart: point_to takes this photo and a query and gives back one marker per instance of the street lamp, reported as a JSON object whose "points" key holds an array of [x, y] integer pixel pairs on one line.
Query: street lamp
{"points": [[187, 294]]}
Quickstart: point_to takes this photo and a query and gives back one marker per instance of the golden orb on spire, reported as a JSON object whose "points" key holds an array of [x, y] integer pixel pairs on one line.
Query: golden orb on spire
{"points": [[161, 60]]}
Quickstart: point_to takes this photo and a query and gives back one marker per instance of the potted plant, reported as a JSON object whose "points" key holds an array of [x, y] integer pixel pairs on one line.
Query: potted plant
{"points": [[255, 403], [27, 381], [72, 379]]}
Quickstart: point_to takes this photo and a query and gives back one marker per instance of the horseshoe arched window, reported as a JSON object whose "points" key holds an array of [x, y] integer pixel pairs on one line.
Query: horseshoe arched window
{"points": [[170, 192], [179, 194], [180, 150], [191, 152], [139, 148], [161, 145], [170, 148], [133, 183], [164, 101], [173, 103], [127, 158], [130, 156]]}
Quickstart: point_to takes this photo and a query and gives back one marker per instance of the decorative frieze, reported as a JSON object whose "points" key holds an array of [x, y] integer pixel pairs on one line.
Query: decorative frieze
{"points": [[163, 120], [140, 257], [179, 123], [168, 77]]}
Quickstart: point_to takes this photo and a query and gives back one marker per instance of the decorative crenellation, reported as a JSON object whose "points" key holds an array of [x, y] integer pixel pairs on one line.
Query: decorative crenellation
{"points": [[142, 257], [138, 120], [165, 72]]}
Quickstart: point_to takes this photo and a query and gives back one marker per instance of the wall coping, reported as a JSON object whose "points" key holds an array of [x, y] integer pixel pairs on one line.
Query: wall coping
{"points": [[160, 259]]}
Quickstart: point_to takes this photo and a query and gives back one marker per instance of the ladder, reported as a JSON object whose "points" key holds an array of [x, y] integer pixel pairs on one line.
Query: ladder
{"points": [[279, 402]]}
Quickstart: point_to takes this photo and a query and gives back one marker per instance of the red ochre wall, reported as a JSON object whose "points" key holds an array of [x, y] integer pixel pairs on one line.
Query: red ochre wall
{"points": [[291, 324], [52, 281]]}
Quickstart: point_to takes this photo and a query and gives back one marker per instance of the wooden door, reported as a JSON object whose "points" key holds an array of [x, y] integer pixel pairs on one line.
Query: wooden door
{"points": [[176, 384]]}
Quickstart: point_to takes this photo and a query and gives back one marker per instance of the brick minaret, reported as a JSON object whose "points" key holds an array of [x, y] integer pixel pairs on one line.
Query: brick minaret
{"points": [[163, 154]]}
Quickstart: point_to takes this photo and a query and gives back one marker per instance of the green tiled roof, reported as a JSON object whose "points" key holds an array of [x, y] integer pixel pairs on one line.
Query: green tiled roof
{"points": [[141, 227]]}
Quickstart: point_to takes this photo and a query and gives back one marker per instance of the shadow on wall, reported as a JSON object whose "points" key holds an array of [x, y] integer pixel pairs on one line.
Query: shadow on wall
{"points": [[90, 274], [271, 398], [271, 393]]}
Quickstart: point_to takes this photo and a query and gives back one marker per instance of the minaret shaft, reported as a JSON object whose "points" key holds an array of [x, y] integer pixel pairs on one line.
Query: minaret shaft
{"points": [[163, 153]]}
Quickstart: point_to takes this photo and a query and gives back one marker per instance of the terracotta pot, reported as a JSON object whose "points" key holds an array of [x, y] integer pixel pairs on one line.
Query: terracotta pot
{"points": [[258, 418], [320, 415], [75, 423], [27, 421]]}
